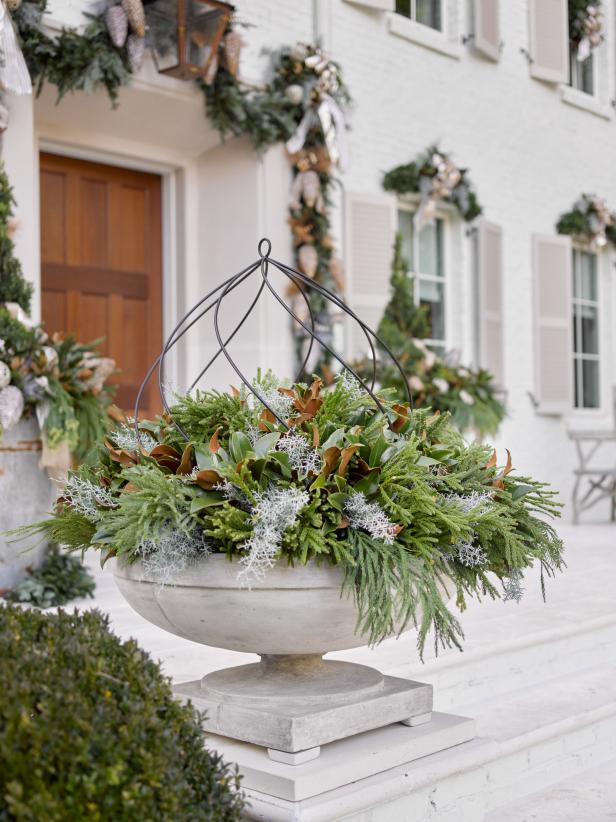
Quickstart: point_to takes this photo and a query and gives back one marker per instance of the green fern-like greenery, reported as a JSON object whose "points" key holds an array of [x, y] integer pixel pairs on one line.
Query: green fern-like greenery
{"points": [[396, 498], [13, 287]]}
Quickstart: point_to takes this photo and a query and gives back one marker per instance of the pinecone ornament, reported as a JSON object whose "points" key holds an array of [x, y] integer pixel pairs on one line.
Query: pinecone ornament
{"points": [[117, 25], [5, 375], [135, 47], [233, 45], [136, 16], [308, 260]]}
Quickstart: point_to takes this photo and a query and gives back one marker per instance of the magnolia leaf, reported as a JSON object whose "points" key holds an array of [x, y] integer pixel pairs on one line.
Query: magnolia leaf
{"points": [[204, 458], [167, 457], [206, 501], [347, 455], [186, 465], [334, 439], [423, 460], [239, 446], [315, 435], [107, 553], [337, 500], [214, 444], [330, 459], [208, 479], [509, 465], [521, 491], [266, 443], [491, 463]]}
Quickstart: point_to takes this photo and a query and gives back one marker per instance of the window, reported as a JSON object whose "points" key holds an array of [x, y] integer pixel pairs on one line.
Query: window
{"points": [[586, 377], [426, 12], [582, 72], [429, 274]]}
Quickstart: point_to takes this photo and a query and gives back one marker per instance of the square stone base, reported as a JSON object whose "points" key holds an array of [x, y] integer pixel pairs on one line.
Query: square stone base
{"points": [[277, 785], [296, 729]]}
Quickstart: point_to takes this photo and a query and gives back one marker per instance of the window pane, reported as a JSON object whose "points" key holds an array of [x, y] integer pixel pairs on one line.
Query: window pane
{"points": [[586, 75], [403, 7], [589, 328], [431, 294], [575, 321], [590, 383], [588, 275], [431, 249], [429, 13], [405, 227]]}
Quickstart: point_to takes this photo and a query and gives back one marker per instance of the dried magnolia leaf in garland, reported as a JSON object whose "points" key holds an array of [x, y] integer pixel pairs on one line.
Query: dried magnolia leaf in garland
{"points": [[117, 25], [136, 16], [308, 260]]}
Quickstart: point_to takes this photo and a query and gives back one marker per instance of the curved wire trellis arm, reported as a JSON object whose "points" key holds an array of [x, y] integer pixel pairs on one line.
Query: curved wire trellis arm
{"points": [[288, 271], [230, 360], [170, 342], [337, 301], [319, 340], [230, 337], [232, 283]]}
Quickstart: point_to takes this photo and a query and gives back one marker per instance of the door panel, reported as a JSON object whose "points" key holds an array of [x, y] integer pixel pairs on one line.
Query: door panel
{"points": [[101, 264]]}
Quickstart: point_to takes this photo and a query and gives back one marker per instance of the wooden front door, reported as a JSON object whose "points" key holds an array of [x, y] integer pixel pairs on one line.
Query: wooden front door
{"points": [[101, 264]]}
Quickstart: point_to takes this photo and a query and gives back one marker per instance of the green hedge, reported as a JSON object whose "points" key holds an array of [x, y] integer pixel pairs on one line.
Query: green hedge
{"points": [[89, 730]]}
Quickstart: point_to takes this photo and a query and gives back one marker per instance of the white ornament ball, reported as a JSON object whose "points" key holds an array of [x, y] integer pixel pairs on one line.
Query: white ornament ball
{"points": [[51, 356], [466, 398], [295, 93], [441, 384], [415, 384], [5, 375]]}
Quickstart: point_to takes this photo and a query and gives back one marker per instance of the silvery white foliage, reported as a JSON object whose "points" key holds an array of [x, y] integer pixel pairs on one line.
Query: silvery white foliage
{"points": [[470, 502], [171, 553], [512, 586], [279, 403], [302, 456], [253, 433], [86, 497], [233, 494], [126, 438], [275, 510], [471, 555], [370, 517], [351, 385]]}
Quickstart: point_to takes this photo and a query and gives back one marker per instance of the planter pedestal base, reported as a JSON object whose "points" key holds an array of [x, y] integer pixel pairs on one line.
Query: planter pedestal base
{"points": [[292, 705]]}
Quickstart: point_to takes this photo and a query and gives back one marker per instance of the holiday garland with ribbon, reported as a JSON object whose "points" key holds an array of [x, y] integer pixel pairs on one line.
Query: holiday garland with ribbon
{"points": [[585, 26], [436, 178], [589, 221]]}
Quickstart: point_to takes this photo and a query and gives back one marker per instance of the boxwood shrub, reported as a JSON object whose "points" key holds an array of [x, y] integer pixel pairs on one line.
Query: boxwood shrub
{"points": [[89, 730]]}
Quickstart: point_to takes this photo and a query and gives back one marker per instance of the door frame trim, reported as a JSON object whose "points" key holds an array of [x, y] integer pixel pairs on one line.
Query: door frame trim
{"points": [[171, 208]]}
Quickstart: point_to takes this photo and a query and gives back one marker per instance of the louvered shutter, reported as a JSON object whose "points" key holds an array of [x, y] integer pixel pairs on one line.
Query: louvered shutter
{"points": [[370, 233], [552, 316], [487, 27], [490, 288], [549, 40], [378, 5]]}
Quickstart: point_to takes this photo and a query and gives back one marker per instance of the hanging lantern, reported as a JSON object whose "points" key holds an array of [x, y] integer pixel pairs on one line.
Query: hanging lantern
{"points": [[185, 34]]}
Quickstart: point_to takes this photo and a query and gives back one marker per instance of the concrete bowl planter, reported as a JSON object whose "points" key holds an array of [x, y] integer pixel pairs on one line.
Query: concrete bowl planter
{"points": [[292, 701], [26, 495]]}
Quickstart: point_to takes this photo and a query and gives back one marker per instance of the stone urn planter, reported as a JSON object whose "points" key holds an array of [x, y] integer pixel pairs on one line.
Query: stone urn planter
{"points": [[292, 701], [26, 495]]}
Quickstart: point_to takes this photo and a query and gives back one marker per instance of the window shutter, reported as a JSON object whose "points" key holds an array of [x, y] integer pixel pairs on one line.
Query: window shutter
{"points": [[552, 315], [487, 27], [490, 303], [549, 40], [378, 5], [370, 232]]}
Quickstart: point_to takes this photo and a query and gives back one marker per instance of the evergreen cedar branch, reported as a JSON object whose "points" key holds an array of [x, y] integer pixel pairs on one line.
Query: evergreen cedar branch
{"points": [[438, 492], [577, 224], [402, 327]]}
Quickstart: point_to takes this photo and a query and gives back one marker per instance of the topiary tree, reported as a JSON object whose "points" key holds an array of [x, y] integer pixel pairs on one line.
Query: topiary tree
{"points": [[469, 395], [90, 730], [13, 287]]}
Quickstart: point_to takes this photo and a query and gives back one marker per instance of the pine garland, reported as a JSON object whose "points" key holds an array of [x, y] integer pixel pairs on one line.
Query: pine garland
{"points": [[13, 287], [590, 220]]}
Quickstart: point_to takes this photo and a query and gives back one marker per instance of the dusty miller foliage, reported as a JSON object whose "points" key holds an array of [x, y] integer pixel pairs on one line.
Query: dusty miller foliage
{"points": [[394, 497]]}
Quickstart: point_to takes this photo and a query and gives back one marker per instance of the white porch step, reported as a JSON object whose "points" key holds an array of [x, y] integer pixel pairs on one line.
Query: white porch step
{"points": [[526, 742], [590, 797]]}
